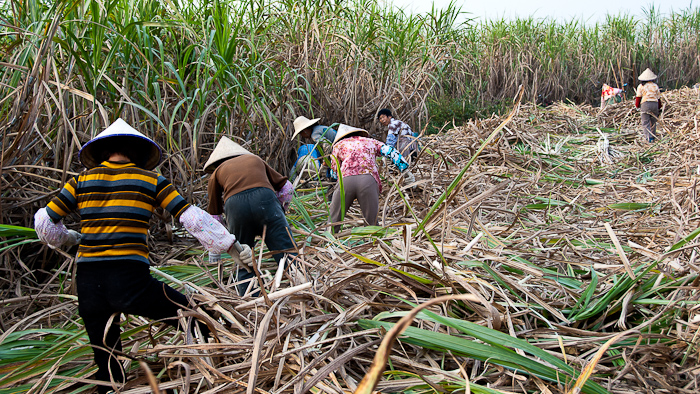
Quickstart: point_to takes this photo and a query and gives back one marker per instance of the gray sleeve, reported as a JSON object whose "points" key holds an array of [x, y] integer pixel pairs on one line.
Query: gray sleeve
{"points": [[319, 132]]}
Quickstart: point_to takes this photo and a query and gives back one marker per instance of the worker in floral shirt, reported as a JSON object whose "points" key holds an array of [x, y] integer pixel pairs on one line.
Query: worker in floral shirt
{"points": [[254, 197], [356, 156], [399, 134], [648, 99]]}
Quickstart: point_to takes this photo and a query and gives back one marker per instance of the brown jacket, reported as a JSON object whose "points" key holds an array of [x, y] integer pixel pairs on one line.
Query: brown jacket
{"points": [[238, 174]]}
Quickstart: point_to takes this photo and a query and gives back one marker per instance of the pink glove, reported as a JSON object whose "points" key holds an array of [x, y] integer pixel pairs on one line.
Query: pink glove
{"points": [[285, 195], [210, 233], [50, 233]]}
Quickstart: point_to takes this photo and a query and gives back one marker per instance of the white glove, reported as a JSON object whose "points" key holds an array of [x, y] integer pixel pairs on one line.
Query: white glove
{"points": [[408, 177], [242, 254], [74, 238]]}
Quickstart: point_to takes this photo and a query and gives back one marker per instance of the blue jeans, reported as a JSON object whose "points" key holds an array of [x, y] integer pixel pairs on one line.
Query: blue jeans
{"points": [[247, 213]]}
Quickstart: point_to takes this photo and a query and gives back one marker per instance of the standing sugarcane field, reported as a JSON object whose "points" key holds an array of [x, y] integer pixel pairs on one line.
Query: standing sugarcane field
{"points": [[508, 206]]}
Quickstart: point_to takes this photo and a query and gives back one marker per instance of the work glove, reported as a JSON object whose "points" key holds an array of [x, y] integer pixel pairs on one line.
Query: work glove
{"points": [[74, 238], [284, 195], [242, 254]]}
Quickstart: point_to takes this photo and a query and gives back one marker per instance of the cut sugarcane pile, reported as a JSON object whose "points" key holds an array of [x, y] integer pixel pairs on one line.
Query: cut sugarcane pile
{"points": [[574, 263]]}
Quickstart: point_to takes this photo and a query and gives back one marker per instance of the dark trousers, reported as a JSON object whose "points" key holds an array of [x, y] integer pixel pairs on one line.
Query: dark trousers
{"points": [[650, 114], [247, 213], [363, 188], [126, 287]]}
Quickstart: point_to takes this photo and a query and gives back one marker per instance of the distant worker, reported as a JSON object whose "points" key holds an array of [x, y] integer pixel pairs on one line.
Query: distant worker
{"points": [[308, 155], [356, 156], [253, 196], [399, 135], [648, 100], [116, 197], [610, 95], [308, 129]]}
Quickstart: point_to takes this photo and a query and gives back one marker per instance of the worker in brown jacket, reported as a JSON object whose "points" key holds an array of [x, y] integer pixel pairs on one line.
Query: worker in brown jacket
{"points": [[253, 196]]}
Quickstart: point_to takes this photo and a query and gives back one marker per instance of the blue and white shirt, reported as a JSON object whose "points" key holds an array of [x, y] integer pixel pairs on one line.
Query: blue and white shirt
{"points": [[397, 128]]}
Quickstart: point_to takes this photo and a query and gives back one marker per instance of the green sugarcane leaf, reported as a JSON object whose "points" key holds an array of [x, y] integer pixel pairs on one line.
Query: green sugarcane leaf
{"points": [[373, 231], [488, 335], [493, 354], [585, 298], [685, 240], [7, 230], [630, 206], [373, 262]]}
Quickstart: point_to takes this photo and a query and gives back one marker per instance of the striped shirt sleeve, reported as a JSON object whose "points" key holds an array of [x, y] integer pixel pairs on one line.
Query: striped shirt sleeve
{"points": [[64, 203], [169, 199]]}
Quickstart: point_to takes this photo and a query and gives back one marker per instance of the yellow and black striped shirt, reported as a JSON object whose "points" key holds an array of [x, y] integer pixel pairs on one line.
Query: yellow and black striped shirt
{"points": [[115, 203]]}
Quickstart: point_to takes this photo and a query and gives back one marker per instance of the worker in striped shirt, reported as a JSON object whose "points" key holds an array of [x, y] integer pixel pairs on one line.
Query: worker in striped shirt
{"points": [[399, 134], [116, 197]]}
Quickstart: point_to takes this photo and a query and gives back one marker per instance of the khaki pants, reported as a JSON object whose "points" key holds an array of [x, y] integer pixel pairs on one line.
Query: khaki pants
{"points": [[362, 188], [650, 114]]}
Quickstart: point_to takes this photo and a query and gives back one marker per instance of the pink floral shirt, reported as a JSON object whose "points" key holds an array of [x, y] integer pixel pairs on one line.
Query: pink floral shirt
{"points": [[609, 91], [358, 155]]}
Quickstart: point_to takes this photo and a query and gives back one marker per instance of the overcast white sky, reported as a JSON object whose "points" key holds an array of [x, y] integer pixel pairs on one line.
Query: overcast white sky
{"points": [[562, 10]]}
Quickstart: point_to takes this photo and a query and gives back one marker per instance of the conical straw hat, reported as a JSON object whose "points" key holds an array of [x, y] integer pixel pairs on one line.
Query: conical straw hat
{"points": [[225, 149], [301, 123], [647, 75], [345, 130], [91, 153]]}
